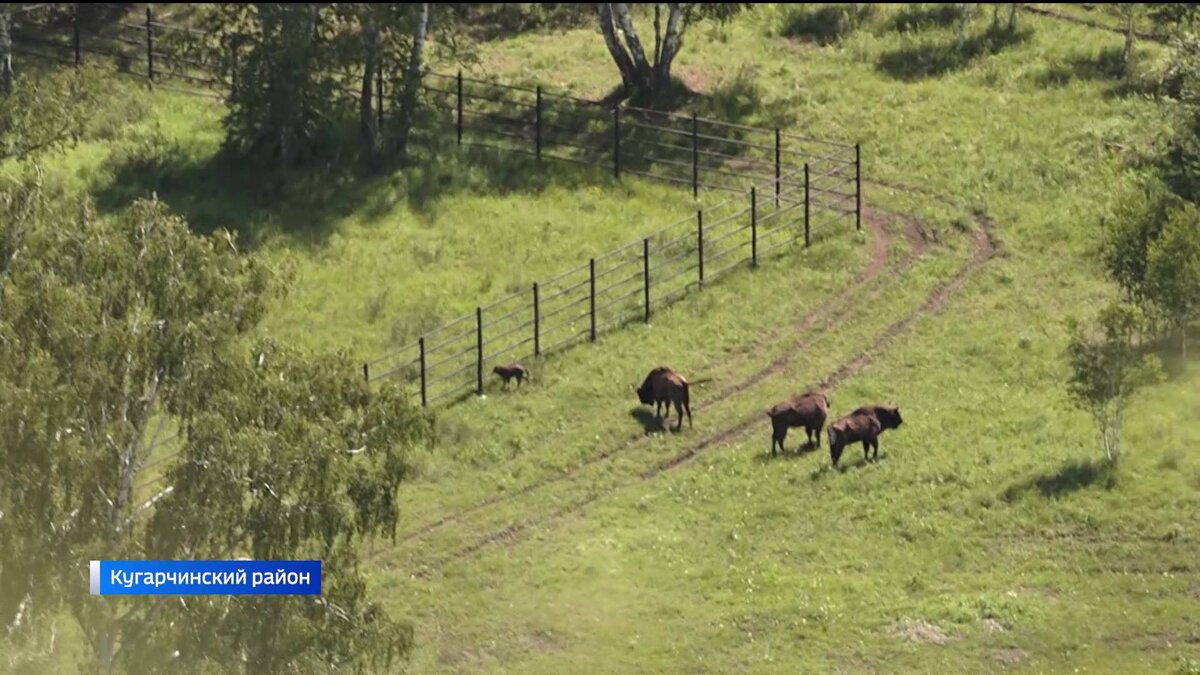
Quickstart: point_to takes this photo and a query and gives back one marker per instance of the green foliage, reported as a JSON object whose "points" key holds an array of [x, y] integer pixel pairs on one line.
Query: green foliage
{"points": [[1174, 16], [111, 325], [1128, 235], [1107, 370], [1173, 269], [277, 58], [48, 111], [1182, 81]]}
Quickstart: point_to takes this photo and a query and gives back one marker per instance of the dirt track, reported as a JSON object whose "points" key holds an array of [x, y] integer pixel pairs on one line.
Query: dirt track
{"points": [[825, 317]]}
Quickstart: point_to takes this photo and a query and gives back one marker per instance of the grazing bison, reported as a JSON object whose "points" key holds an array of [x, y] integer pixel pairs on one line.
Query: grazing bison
{"points": [[864, 424], [512, 370], [808, 410], [664, 387]]}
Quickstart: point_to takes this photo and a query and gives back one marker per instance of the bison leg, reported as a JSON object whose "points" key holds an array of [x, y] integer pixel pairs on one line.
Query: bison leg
{"points": [[679, 411], [866, 449], [778, 436], [875, 444]]}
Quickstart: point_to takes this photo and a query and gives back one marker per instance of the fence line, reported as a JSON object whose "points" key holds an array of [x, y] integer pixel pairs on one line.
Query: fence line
{"points": [[781, 182]]}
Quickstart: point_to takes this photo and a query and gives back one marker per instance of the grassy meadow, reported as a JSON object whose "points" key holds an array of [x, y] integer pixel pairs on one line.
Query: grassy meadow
{"points": [[554, 530]]}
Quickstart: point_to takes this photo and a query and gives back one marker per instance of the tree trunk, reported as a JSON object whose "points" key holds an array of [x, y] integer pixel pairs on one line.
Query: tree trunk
{"points": [[367, 123], [412, 79], [620, 57], [662, 68], [1183, 342], [641, 67], [6, 71], [1127, 51], [657, 34], [962, 24]]}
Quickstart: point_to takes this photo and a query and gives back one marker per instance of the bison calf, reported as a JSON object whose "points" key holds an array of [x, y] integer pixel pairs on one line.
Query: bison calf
{"points": [[808, 410], [512, 370], [864, 424], [664, 387]]}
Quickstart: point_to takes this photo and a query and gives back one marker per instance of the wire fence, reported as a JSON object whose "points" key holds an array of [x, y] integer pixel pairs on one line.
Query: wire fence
{"points": [[784, 188]]}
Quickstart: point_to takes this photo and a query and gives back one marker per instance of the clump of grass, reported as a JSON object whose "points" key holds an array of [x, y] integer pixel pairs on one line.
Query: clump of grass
{"points": [[824, 24]]}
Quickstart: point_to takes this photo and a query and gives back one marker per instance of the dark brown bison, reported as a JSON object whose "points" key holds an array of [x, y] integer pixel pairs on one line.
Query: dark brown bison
{"points": [[512, 370], [808, 410], [864, 424], [664, 387]]}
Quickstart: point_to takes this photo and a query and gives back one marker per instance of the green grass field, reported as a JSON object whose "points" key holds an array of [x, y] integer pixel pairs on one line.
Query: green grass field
{"points": [[549, 532]]}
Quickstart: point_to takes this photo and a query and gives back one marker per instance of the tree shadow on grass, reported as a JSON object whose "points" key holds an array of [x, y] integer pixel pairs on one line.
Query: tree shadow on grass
{"points": [[1071, 477], [919, 61], [305, 202], [1103, 66]]}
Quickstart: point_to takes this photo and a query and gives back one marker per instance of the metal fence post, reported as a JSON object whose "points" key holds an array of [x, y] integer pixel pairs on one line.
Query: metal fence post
{"points": [[778, 164], [592, 295], [479, 350], [424, 399], [459, 107], [695, 157], [537, 323], [646, 276], [537, 122], [149, 48], [857, 187], [616, 141], [75, 29], [753, 226], [806, 240], [700, 241]]}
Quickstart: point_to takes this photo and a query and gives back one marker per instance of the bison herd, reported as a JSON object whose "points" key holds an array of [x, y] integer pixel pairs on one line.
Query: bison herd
{"points": [[665, 387]]}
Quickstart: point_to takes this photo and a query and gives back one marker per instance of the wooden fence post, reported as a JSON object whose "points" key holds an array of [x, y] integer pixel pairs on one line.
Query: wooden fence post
{"points": [[537, 122], [459, 106], [646, 276], [753, 226], [857, 187], [479, 351], [616, 141], [778, 164], [806, 239], [424, 399], [700, 241], [149, 48], [75, 36], [537, 323], [592, 295], [367, 372], [695, 157], [379, 95]]}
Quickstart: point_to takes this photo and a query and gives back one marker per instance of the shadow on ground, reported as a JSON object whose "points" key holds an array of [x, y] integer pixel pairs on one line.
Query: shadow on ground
{"points": [[1071, 477], [933, 59]]}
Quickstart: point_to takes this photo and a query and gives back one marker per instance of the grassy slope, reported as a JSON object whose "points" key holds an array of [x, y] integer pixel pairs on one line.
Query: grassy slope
{"points": [[985, 506]]}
